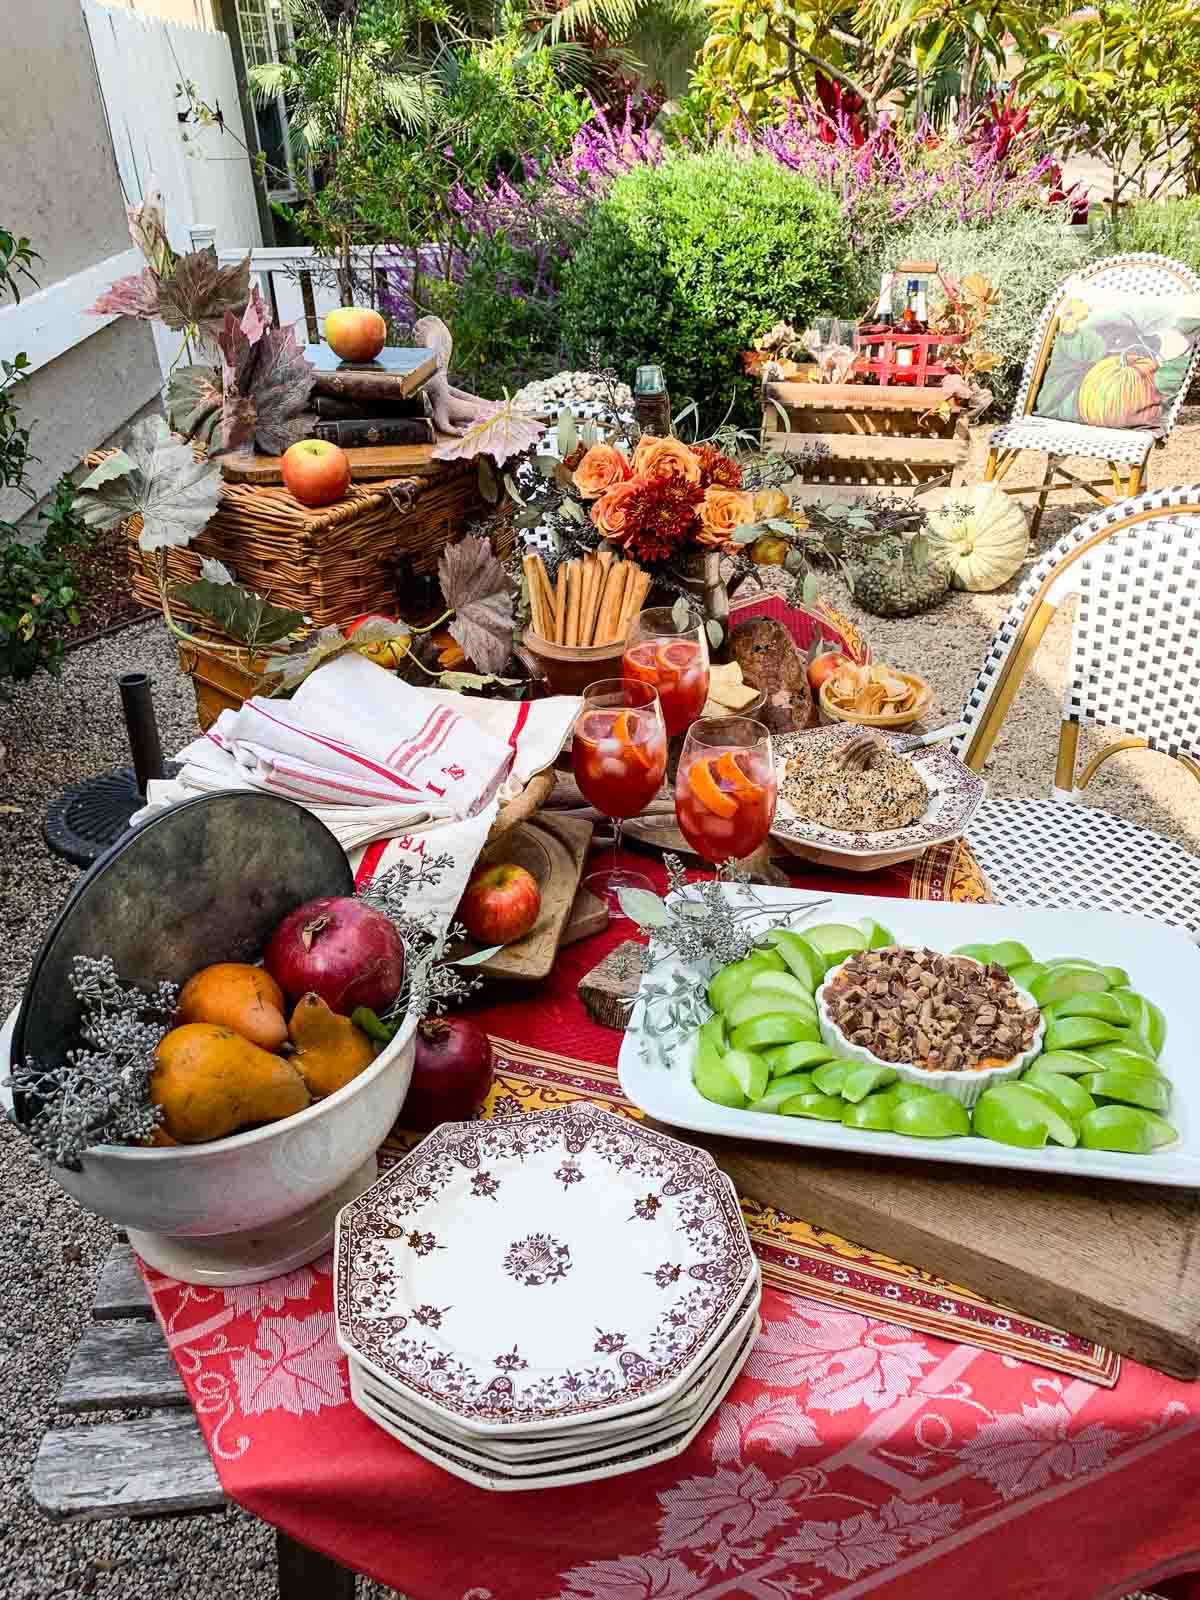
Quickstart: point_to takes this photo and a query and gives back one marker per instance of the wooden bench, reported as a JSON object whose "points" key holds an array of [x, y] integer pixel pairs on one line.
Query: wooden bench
{"points": [[145, 1466]]}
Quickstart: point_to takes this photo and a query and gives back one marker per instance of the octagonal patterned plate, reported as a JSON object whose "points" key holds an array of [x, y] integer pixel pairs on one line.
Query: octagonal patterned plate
{"points": [[531, 1273], [955, 794]]}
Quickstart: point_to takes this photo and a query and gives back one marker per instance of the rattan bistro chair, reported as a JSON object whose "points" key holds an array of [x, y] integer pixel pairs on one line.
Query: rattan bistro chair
{"points": [[1135, 666], [1125, 450]]}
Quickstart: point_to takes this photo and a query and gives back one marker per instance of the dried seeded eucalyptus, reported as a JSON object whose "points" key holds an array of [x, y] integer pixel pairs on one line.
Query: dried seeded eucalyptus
{"points": [[100, 1094], [430, 984], [702, 929]]}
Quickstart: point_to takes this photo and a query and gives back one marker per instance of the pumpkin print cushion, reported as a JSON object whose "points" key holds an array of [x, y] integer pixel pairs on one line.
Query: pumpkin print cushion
{"points": [[1119, 361]]}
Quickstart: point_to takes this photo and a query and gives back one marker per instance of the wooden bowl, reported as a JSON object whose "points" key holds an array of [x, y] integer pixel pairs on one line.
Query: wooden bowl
{"points": [[891, 719], [569, 669]]}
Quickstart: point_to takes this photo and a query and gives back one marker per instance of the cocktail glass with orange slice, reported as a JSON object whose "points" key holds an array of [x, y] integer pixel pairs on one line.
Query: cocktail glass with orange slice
{"points": [[672, 654], [725, 787], [619, 758]]}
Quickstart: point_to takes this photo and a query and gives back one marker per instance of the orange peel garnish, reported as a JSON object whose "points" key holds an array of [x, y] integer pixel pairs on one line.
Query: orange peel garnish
{"points": [[629, 745], [704, 786], [727, 768]]}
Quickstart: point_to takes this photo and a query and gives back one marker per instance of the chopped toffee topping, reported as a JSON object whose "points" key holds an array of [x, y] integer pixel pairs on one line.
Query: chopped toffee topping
{"points": [[943, 1013]]}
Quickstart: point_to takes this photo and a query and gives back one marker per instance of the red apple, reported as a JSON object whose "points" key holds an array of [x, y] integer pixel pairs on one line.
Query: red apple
{"points": [[500, 903], [355, 334], [316, 472], [824, 666]]}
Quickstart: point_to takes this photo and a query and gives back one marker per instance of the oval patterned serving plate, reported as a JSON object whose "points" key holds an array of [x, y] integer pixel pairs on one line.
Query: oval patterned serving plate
{"points": [[519, 1274], [955, 794]]}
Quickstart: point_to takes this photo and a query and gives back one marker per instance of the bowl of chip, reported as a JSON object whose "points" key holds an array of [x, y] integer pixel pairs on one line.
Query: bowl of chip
{"points": [[875, 696]]}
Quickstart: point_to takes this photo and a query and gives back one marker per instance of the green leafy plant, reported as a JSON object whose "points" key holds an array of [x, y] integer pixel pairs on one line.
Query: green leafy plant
{"points": [[40, 589], [687, 262], [1169, 227]]}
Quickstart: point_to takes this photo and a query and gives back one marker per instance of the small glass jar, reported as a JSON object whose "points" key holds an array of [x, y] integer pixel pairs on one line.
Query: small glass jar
{"points": [[651, 402]]}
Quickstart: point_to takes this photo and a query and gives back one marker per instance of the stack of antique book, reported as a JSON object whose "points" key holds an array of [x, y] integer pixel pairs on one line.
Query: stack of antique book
{"points": [[378, 402]]}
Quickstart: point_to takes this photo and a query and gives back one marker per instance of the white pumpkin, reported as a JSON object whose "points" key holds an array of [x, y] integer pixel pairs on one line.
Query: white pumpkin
{"points": [[980, 532]]}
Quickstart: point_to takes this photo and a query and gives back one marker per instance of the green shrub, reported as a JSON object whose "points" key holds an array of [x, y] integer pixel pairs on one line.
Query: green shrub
{"points": [[506, 327], [1166, 227], [1025, 257], [687, 262], [39, 589]]}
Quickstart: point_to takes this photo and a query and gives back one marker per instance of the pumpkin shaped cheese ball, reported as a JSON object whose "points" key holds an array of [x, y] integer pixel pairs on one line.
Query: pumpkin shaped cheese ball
{"points": [[210, 1082]]}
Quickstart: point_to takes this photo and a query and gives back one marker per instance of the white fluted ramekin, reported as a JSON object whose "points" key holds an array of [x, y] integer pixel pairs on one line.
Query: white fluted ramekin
{"points": [[965, 1087]]}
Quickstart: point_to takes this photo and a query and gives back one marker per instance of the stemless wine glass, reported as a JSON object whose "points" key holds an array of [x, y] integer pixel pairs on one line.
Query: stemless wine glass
{"points": [[671, 658], [619, 758], [725, 787]]}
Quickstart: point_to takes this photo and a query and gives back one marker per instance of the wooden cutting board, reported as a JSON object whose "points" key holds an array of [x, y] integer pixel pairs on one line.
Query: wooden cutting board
{"points": [[1115, 1262], [554, 850]]}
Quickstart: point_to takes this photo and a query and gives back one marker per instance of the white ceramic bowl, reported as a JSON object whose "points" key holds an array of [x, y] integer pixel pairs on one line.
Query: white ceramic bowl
{"points": [[965, 1087], [266, 1183]]}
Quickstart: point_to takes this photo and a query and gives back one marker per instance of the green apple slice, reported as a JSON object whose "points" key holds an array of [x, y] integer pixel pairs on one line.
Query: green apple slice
{"points": [[787, 983], [1023, 976], [980, 952], [1132, 1039], [1060, 983], [1097, 1003], [1029, 1101], [750, 1005], [1071, 1062], [714, 1032], [778, 1028], [1069, 1092], [804, 962], [1126, 1128], [877, 936], [714, 1080], [874, 1113], [1120, 1058], [748, 1071], [733, 980], [1143, 1015], [830, 1077], [1009, 953], [1005, 1123], [1077, 1033], [1117, 977], [802, 1057], [912, 1091], [931, 1116], [835, 942], [859, 1082], [826, 1107], [1143, 1089], [781, 1089]]}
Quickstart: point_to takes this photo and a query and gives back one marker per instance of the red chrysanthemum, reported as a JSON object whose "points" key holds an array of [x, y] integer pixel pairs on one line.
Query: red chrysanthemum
{"points": [[717, 468], [660, 517]]}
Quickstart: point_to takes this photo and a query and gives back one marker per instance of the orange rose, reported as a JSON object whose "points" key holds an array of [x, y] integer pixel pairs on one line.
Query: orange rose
{"points": [[721, 511], [664, 457], [603, 467], [611, 511]]}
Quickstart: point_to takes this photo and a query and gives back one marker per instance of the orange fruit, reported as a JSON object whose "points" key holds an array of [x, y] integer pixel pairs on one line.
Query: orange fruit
{"points": [[704, 786], [675, 656], [727, 768]]}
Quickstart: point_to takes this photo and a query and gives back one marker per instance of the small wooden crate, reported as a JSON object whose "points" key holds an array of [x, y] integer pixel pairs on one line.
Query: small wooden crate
{"points": [[333, 564], [881, 347], [873, 436]]}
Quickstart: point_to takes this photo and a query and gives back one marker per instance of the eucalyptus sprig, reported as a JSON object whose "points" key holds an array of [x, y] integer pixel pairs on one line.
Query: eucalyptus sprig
{"points": [[698, 929]]}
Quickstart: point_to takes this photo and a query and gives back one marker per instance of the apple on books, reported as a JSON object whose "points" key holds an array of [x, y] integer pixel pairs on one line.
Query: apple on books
{"points": [[728, 693], [355, 333]]}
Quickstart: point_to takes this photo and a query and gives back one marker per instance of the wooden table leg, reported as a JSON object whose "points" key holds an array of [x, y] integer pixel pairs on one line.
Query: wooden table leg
{"points": [[305, 1574]]}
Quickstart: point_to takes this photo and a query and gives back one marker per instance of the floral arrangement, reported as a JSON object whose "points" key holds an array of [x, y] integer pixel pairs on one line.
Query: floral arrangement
{"points": [[664, 497]]}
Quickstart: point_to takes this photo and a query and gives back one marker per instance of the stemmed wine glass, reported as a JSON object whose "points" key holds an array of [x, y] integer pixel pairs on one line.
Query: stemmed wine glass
{"points": [[725, 787], [619, 758], [673, 658]]}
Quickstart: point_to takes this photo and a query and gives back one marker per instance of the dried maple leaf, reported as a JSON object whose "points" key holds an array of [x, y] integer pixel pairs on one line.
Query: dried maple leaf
{"points": [[194, 401], [500, 434], [200, 291], [135, 296], [474, 585], [157, 478], [267, 381]]}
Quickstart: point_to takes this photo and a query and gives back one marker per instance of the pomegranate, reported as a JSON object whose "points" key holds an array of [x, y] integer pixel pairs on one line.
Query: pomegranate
{"points": [[452, 1073], [345, 951]]}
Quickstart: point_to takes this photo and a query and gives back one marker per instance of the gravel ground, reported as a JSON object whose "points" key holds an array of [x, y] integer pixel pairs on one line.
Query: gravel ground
{"points": [[57, 731]]}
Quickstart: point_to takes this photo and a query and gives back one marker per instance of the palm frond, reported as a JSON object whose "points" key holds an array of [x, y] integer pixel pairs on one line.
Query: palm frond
{"points": [[615, 17], [412, 98], [269, 79]]}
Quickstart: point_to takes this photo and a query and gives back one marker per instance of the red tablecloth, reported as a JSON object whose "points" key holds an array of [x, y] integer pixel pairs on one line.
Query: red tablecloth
{"points": [[851, 1457]]}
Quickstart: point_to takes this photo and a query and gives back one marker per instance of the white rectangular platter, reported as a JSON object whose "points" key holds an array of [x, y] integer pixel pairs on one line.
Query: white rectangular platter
{"points": [[1162, 962]]}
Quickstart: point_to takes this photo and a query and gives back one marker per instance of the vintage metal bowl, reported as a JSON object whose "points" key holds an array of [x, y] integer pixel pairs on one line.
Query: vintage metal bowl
{"points": [[209, 881]]}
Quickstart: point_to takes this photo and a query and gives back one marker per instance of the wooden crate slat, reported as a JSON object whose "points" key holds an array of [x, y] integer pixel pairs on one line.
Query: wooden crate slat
{"points": [[877, 448], [121, 1291], [855, 396], [118, 1364], [148, 1466]]}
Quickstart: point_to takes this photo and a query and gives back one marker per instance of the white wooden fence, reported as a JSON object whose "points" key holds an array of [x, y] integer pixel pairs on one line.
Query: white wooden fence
{"points": [[204, 173]]}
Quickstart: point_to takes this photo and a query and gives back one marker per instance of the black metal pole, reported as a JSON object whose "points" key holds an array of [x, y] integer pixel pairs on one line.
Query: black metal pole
{"points": [[144, 744]]}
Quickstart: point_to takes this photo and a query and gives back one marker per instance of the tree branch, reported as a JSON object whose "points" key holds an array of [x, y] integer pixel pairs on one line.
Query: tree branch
{"points": [[835, 73]]}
